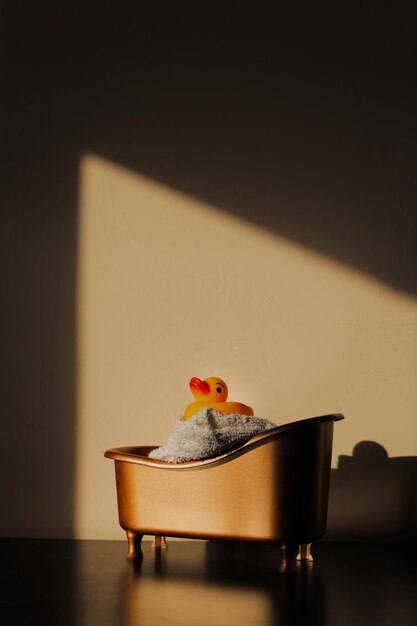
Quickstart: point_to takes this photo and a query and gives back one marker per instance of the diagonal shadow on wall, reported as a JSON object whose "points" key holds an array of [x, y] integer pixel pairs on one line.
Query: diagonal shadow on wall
{"points": [[282, 122]]}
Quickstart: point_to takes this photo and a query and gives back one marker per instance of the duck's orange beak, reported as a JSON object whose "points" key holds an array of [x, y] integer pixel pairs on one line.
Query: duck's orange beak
{"points": [[198, 386]]}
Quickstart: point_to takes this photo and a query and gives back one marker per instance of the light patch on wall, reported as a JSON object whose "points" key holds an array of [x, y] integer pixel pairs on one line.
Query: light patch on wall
{"points": [[170, 287]]}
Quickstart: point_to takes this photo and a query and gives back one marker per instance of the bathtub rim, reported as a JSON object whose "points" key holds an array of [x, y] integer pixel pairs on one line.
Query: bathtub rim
{"points": [[130, 454]]}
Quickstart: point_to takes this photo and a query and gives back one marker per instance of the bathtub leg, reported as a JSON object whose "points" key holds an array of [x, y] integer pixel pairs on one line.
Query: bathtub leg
{"points": [[134, 541], [288, 553], [304, 552], [159, 542]]}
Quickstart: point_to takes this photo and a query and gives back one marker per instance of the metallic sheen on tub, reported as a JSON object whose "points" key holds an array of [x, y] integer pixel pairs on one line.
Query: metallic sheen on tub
{"points": [[273, 488]]}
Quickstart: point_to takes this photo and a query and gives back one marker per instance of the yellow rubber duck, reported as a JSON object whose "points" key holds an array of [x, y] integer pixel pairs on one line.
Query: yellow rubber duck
{"points": [[212, 392]]}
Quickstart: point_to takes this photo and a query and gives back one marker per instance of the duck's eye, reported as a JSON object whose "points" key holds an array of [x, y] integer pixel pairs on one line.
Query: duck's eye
{"points": [[219, 389]]}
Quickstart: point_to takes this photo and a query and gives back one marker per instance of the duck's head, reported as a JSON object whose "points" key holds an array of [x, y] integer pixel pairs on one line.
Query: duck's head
{"points": [[211, 389]]}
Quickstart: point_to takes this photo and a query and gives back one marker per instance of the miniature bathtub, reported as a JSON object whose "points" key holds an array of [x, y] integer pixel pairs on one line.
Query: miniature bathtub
{"points": [[274, 488]]}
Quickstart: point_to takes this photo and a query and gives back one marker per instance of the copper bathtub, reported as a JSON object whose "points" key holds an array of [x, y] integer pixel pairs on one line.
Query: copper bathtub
{"points": [[274, 488]]}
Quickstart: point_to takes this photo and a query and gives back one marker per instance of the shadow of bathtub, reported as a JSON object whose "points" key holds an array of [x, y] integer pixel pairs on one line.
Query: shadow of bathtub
{"points": [[372, 496]]}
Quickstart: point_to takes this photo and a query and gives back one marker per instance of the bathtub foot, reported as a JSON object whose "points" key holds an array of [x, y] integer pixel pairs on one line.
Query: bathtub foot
{"points": [[304, 552], [159, 542], [134, 541], [288, 553]]}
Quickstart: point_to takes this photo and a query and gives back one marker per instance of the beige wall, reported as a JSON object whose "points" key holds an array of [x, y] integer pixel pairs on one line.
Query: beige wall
{"points": [[195, 194], [170, 287]]}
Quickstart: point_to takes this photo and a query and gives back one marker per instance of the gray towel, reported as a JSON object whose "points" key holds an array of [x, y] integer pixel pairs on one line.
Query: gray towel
{"points": [[208, 434]]}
